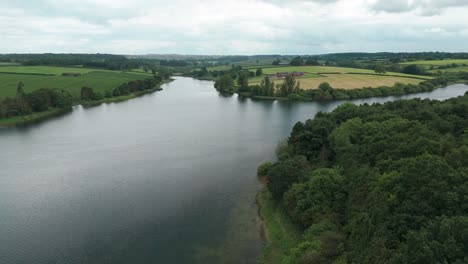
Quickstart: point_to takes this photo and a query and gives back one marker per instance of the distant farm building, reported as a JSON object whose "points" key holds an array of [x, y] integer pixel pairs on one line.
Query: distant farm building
{"points": [[284, 74], [71, 74]]}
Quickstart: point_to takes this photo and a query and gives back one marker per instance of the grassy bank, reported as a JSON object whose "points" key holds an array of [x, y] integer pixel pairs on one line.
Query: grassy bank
{"points": [[122, 97], [31, 118], [280, 234]]}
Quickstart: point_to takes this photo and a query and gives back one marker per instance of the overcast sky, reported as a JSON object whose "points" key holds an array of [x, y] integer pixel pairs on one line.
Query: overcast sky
{"points": [[232, 26]]}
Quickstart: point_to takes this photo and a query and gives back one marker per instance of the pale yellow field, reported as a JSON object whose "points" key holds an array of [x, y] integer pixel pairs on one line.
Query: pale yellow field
{"points": [[353, 81]]}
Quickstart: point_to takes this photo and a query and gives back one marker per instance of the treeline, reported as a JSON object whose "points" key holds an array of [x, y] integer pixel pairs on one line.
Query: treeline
{"points": [[37, 101], [107, 61], [87, 94], [394, 56], [382, 183], [174, 63]]}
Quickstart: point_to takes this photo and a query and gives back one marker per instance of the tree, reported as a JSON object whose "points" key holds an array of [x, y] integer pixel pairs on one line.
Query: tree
{"points": [[288, 86], [225, 83], [259, 72], [145, 68], [283, 174], [87, 93], [413, 69], [297, 61], [267, 87], [20, 90], [312, 62], [276, 62], [243, 81], [22, 104], [379, 69]]}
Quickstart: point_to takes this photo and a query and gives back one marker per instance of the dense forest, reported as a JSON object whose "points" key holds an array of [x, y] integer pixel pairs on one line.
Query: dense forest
{"points": [[382, 183]]}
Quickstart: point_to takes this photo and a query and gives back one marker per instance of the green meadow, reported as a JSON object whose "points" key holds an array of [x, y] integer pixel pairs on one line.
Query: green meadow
{"points": [[436, 62], [331, 70], [48, 70], [100, 81]]}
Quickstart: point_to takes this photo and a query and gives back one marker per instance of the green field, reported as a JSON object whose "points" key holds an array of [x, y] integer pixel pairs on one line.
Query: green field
{"points": [[8, 63], [436, 62], [433, 65], [328, 69], [48, 69], [100, 81], [456, 69]]}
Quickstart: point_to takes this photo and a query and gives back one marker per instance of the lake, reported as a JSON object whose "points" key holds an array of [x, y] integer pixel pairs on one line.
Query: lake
{"points": [[169, 177]]}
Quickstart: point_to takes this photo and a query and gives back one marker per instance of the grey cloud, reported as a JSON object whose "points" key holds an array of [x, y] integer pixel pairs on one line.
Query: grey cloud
{"points": [[425, 7]]}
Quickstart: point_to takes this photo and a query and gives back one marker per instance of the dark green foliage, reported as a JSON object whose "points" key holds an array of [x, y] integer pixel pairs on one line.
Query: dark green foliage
{"points": [[36, 101], [225, 84], [266, 88], [243, 81], [413, 69], [88, 94], [383, 183], [289, 86], [282, 175], [312, 62], [259, 72], [321, 197], [297, 61], [264, 168], [380, 69]]}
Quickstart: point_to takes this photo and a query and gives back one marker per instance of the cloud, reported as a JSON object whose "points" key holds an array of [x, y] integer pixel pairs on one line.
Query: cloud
{"points": [[424, 7], [231, 26]]}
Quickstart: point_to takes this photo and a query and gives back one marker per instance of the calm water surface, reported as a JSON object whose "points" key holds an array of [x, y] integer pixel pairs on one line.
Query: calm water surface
{"points": [[164, 178]]}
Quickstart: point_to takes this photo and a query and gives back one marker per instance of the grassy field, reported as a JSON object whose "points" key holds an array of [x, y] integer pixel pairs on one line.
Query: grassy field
{"points": [[456, 69], [432, 65], [435, 62], [2, 63], [353, 81], [48, 69], [340, 77], [99, 81], [328, 69]]}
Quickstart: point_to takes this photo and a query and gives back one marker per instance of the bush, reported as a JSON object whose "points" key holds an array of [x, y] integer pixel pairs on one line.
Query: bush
{"points": [[264, 168]]}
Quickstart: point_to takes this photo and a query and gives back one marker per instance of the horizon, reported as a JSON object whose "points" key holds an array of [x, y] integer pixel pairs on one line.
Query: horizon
{"points": [[246, 27]]}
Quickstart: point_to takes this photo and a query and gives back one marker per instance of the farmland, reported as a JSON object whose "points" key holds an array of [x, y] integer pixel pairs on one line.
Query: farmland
{"points": [[434, 66], [329, 69], [344, 78], [99, 80], [354, 81], [436, 62]]}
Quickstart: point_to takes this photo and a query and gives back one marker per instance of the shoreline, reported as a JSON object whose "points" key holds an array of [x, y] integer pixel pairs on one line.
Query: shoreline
{"points": [[279, 235], [37, 117], [304, 99]]}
